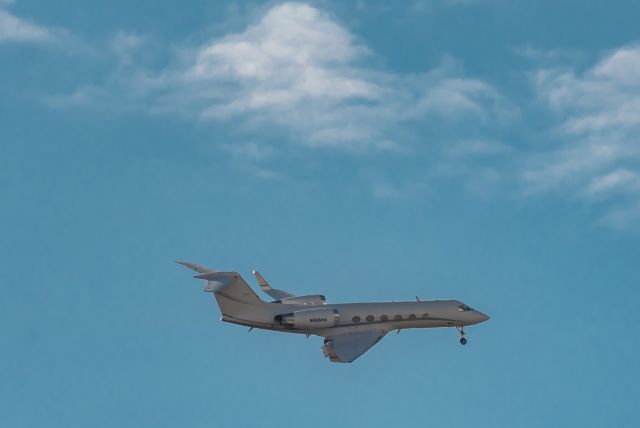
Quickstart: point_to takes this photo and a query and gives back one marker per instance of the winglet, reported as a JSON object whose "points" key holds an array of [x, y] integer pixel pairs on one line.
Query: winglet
{"points": [[263, 283], [197, 268]]}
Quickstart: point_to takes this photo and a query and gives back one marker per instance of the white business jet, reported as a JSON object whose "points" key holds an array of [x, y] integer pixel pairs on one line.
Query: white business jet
{"points": [[349, 329]]}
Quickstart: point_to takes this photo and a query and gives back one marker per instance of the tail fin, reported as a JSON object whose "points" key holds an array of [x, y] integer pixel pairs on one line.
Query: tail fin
{"points": [[234, 296]]}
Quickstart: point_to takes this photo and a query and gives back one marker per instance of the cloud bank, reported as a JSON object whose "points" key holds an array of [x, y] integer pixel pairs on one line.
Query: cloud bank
{"points": [[300, 72], [297, 75], [597, 156]]}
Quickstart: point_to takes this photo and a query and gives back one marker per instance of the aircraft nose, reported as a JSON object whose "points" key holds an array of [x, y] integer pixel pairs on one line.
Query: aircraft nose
{"points": [[482, 317]]}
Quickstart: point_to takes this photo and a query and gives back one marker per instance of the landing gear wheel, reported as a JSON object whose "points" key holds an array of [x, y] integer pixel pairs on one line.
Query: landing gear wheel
{"points": [[463, 341]]}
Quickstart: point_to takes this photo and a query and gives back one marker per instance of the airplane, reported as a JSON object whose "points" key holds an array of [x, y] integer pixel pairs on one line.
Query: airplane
{"points": [[349, 329]]}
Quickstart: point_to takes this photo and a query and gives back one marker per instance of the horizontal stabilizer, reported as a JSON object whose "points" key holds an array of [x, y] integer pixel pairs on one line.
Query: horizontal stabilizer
{"points": [[197, 268], [264, 285], [218, 276]]}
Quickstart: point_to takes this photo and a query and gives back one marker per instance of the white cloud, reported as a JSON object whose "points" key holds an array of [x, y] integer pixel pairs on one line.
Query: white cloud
{"points": [[597, 157], [14, 29], [620, 179], [452, 97], [126, 46], [297, 71]]}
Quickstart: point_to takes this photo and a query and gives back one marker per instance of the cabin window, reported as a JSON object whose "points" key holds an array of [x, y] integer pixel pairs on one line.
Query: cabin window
{"points": [[412, 316], [356, 319], [384, 318], [370, 318], [397, 317]]}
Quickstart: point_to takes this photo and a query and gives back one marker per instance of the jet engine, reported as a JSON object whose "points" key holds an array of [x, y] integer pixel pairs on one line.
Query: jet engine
{"points": [[311, 318], [303, 300]]}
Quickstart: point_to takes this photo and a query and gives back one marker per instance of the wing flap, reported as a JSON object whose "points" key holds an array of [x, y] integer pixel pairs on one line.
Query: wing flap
{"points": [[347, 347]]}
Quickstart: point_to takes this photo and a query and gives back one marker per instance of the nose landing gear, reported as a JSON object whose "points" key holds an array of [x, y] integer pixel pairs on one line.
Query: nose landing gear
{"points": [[463, 340]]}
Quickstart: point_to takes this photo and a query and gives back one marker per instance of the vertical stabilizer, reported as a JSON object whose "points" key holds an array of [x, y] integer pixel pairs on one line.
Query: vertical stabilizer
{"points": [[234, 296]]}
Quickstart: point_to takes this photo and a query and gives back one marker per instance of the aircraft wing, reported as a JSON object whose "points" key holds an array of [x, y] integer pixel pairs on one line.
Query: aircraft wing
{"points": [[346, 347]]}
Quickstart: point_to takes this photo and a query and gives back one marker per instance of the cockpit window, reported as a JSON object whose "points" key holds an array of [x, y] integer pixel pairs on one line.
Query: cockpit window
{"points": [[464, 308]]}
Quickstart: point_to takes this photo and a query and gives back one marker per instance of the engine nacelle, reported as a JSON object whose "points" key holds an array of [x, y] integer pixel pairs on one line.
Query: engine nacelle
{"points": [[304, 300], [311, 318]]}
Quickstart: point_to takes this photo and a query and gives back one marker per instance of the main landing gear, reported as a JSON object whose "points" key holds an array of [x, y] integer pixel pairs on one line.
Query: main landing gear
{"points": [[463, 340]]}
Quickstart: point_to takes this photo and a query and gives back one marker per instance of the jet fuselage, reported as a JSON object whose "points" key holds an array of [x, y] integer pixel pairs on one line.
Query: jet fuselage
{"points": [[354, 316]]}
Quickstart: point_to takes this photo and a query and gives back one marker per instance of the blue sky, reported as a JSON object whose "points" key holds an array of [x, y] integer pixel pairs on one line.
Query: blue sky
{"points": [[484, 151]]}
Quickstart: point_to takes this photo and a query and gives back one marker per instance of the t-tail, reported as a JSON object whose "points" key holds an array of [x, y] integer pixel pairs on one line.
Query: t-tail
{"points": [[235, 297]]}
